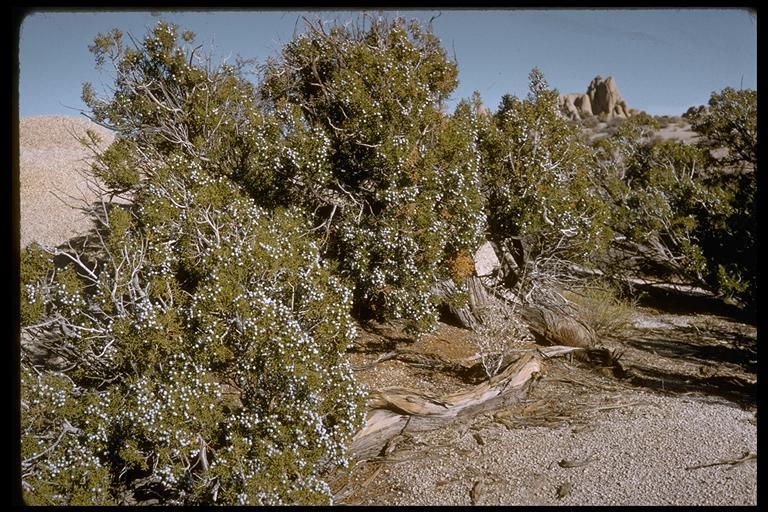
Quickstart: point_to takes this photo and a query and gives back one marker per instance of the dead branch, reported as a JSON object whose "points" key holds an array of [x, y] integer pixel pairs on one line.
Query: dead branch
{"points": [[744, 458], [397, 410]]}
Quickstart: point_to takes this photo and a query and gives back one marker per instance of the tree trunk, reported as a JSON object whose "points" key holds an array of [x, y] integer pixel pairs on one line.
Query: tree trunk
{"points": [[466, 316]]}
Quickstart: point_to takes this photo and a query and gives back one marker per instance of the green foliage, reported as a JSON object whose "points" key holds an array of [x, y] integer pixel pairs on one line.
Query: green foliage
{"points": [[118, 166], [689, 210], [62, 463], [395, 182], [350, 129], [730, 122], [730, 125], [664, 201], [167, 98], [538, 177], [203, 335], [226, 384], [34, 267]]}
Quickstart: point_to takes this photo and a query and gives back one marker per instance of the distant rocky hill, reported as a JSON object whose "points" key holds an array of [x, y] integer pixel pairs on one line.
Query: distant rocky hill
{"points": [[601, 99]]}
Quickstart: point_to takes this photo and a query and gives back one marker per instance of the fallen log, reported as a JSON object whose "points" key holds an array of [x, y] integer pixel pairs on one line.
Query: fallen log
{"points": [[394, 411]]}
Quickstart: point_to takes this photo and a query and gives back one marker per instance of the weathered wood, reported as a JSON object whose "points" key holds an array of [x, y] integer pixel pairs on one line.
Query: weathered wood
{"points": [[467, 316], [557, 350], [394, 411]]}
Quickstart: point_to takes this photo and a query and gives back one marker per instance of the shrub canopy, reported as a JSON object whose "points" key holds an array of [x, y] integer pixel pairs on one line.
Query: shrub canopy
{"points": [[539, 178], [200, 336], [689, 209], [398, 194]]}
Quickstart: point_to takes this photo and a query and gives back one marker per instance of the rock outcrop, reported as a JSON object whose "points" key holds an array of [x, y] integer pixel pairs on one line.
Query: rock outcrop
{"points": [[52, 186], [576, 105], [601, 99], [486, 261]]}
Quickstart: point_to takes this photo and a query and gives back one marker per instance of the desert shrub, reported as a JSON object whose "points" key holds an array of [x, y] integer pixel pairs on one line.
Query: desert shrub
{"points": [[659, 199], [169, 98], [397, 196], [539, 181], [729, 123], [615, 122], [680, 211], [166, 97], [499, 331], [347, 125], [200, 333], [61, 463], [212, 343], [602, 308], [638, 128], [34, 265]]}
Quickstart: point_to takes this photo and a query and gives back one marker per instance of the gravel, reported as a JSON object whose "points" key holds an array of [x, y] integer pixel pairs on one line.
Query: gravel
{"points": [[638, 456]]}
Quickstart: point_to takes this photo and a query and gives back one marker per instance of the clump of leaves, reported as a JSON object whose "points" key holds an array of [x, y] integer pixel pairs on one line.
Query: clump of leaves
{"points": [[687, 212], [729, 124], [659, 205], [225, 384], [34, 266]]}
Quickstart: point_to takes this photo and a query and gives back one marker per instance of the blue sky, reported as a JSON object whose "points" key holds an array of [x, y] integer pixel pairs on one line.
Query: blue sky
{"points": [[663, 60]]}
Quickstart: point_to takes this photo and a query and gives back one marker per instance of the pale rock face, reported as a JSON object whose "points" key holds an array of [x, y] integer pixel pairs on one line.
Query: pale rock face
{"points": [[602, 98], [486, 261], [576, 105], [54, 186]]}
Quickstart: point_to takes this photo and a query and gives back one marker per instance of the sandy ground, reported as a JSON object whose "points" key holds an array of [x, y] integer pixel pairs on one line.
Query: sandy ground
{"points": [[641, 441], [636, 456]]}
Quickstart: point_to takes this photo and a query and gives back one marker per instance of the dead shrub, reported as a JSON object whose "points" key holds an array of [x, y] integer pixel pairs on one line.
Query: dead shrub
{"points": [[462, 266], [500, 331]]}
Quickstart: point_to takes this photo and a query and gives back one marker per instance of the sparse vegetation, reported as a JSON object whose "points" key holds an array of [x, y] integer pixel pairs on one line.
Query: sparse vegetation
{"points": [[601, 307], [499, 331], [667, 121]]}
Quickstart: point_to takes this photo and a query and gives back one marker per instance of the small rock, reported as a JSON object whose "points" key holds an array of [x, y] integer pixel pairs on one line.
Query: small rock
{"points": [[486, 261]]}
